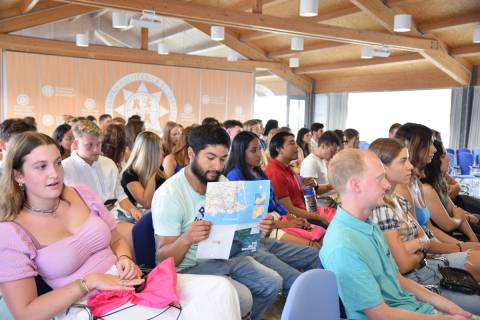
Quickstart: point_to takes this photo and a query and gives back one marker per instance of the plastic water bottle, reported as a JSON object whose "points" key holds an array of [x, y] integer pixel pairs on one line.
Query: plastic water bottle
{"points": [[310, 199]]}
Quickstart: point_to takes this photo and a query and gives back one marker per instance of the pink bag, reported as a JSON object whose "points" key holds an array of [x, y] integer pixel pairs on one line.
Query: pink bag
{"points": [[315, 234], [160, 291], [328, 212]]}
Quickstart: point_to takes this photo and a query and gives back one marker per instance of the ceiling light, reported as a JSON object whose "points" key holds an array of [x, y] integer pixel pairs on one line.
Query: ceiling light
{"points": [[217, 33], [232, 56], [293, 62], [120, 20], [296, 44], [308, 8], [367, 53], [381, 52], [162, 48], [476, 35], [402, 22], [147, 20], [81, 39]]}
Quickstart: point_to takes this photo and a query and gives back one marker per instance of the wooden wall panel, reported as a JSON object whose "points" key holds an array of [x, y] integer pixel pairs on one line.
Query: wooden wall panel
{"points": [[239, 94], [48, 87]]}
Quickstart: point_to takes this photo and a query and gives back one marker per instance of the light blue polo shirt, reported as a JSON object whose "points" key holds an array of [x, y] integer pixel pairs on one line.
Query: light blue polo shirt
{"points": [[366, 273], [175, 206]]}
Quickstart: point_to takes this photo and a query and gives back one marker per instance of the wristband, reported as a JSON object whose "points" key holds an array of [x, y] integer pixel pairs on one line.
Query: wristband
{"points": [[124, 255], [459, 245], [82, 283]]}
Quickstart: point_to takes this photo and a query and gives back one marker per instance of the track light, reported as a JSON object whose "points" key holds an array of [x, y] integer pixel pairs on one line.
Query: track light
{"points": [[81, 39], [162, 48], [232, 56], [308, 8], [120, 20], [402, 23], [293, 62], [368, 53], [296, 44], [147, 20], [476, 35], [217, 33]]}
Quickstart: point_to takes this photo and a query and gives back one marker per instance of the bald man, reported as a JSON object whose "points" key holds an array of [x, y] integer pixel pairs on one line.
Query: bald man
{"points": [[354, 248]]}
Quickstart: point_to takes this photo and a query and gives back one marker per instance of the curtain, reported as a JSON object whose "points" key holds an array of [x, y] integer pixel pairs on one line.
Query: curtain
{"points": [[337, 111], [456, 117], [474, 133], [331, 109]]}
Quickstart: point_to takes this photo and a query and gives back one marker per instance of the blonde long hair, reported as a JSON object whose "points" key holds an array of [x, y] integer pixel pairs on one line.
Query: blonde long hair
{"points": [[12, 197], [167, 145], [146, 157]]}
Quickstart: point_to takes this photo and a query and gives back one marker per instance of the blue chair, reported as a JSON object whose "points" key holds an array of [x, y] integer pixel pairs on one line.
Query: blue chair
{"points": [[464, 150], [363, 145], [476, 155], [450, 150], [313, 296], [144, 242], [465, 160]]}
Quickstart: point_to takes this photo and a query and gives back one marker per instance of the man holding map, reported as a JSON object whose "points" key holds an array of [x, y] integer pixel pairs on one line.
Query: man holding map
{"points": [[178, 211]]}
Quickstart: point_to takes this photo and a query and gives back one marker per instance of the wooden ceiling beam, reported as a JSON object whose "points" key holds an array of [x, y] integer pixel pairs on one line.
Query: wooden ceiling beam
{"points": [[287, 52], [250, 51], [382, 14], [466, 51], [69, 49], [361, 63], [446, 24], [232, 41], [457, 70], [226, 17], [40, 17], [28, 5], [322, 17], [246, 5]]}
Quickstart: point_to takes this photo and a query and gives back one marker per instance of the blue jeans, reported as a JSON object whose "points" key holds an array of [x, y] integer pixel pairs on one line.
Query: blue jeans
{"points": [[287, 259], [263, 283]]}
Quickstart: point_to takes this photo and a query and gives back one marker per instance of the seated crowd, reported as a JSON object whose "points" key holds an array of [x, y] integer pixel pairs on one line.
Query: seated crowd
{"points": [[391, 218]]}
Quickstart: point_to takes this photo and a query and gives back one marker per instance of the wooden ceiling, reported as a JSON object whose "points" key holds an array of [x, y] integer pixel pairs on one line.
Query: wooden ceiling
{"points": [[438, 52]]}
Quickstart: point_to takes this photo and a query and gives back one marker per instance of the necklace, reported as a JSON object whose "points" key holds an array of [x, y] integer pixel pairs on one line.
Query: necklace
{"points": [[51, 212]]}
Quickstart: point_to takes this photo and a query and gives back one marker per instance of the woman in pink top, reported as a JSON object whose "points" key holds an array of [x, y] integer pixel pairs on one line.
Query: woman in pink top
{"points": [[65, 234]]}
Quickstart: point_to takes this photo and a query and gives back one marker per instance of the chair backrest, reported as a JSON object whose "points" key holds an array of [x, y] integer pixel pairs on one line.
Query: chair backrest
{"points": [[476, 155], [465, 160], [363, 145], [464, 150], [450, 150], [144, 241], [313, 296]]}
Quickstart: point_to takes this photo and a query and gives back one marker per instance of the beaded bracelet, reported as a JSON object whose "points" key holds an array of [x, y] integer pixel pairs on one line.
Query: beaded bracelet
{"points": [[124, 255]]}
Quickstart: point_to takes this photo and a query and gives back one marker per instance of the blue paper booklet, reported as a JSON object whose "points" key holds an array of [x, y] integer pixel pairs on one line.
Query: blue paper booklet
{"points": [[235, 209]]}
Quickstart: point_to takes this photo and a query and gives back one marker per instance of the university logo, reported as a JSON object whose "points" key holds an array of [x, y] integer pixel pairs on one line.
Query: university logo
{"points": [[143, 94]]}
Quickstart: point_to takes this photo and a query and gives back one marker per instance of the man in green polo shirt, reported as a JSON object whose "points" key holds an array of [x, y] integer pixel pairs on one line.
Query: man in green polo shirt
{"points": [[354, 248]]}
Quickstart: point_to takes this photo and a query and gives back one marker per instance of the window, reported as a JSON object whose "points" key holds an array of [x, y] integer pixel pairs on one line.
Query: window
{"points": [[372, 113]]}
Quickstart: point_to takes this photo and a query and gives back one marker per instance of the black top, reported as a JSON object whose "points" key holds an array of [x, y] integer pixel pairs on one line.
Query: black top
{"points": [[130, 176]]}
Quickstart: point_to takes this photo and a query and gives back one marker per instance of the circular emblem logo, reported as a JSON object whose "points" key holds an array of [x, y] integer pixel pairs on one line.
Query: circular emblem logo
{"points": [[48, 90], [238, 110], [23, 100], [143, 94], [187, 108], [89, 104], [48, 120]]}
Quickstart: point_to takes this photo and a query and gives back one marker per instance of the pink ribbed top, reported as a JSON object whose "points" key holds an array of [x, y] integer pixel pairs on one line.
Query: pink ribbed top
{"points": [[60, 263]]}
